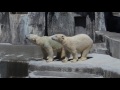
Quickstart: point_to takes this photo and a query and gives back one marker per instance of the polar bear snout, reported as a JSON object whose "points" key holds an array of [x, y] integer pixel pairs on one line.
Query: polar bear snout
{"points": [[54, 37], [26, 37]]}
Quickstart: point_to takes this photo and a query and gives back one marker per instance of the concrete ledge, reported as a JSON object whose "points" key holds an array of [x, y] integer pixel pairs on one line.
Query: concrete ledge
{"points": [[112, 41], [20, 51], [54, 74], [103, 65]]}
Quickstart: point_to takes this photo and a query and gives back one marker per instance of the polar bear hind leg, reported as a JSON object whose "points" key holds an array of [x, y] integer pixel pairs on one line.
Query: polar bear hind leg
{"points": [[84, 54], [75, 56], [67, 56]]}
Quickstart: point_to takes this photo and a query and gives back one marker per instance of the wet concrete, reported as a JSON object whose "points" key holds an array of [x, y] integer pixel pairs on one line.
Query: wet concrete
{"points": [[13, 60], [26, 51], [98, 66], [101, 65], [13, 69], [54, 74]]}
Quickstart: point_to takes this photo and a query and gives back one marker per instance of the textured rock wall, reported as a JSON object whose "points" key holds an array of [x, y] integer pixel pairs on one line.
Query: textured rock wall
{"points": [[60, 22], [23, 24], [112, 41], [100, 21], [99, 24], [90, 27], [14, 27], [71, 23], [5, 32]]}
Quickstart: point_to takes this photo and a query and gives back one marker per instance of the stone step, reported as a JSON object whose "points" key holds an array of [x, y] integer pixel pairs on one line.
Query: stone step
{"points": [[55, 74], [112, 41], [99, 48], [99, 64], [13, 68]]}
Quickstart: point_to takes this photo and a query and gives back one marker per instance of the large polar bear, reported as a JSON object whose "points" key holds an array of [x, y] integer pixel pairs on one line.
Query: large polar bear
{"points": [[48, 46], [80, 43]]}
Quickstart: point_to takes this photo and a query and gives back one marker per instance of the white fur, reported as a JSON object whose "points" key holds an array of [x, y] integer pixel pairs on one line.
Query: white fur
{"points": [[80, 43], [48, 46]]}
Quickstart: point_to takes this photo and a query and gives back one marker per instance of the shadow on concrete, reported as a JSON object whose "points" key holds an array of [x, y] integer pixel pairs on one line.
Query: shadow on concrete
{"points": [[56, 59]]}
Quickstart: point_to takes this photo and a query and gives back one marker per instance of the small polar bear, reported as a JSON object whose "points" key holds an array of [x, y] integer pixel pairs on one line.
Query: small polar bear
{"points": [[80, 43], [48, 46]]}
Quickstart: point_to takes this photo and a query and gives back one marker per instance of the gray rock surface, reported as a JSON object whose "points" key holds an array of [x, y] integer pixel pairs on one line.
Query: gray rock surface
{"points": [[5, 31], [10, 69], [112, 41], [54, 74], [100, 64], [61, 22], [14, 27], [20, 52], [24, 24], [100, 21], [99, 48]]}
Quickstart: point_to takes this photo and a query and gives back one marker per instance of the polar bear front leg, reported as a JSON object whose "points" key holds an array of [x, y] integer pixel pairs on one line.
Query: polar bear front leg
{"points": [[67, 55], [75, 57], [44, 53], [63, 53], [50, 53]]}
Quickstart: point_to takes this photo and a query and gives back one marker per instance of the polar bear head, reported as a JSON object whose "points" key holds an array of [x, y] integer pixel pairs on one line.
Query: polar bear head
{"points": [[32, 37], [58, 37]]}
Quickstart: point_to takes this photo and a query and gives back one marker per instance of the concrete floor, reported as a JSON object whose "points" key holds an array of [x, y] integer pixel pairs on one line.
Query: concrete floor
{"points": [[99, 64]]}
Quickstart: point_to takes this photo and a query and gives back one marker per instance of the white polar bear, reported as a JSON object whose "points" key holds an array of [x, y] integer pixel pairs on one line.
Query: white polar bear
{"points": [[80, 43], [48, 46]]}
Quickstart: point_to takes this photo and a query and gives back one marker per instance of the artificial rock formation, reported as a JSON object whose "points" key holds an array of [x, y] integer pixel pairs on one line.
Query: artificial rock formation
{"points": [[15, 25]]}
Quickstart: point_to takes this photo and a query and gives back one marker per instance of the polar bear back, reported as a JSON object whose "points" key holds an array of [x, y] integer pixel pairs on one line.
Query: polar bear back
{"points": [[83, 38], [47, 41], [55, 45], [80, 42]]}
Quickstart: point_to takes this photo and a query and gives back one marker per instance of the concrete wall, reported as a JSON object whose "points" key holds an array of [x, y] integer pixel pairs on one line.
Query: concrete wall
{"points": [[5, 31], [112, 41], [71, 23], [23, 24], [14, 26], [61, 22]]}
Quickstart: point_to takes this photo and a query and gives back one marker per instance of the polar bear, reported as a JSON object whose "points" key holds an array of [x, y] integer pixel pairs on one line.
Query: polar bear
{"points": [[80, 43], [48, 46]]}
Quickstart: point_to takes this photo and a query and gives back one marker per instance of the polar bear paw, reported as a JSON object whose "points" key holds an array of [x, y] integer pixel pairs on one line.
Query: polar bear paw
{"points": [[64, 61], [49, 60], [82, 59], [74, 60]]}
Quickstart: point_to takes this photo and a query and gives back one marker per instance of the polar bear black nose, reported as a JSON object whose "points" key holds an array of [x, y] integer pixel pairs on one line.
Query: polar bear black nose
{"points": [[26, 37]]}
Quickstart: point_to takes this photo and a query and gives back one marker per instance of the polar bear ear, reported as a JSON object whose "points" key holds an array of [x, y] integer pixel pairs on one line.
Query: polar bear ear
{"points": [[62, 37]]}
